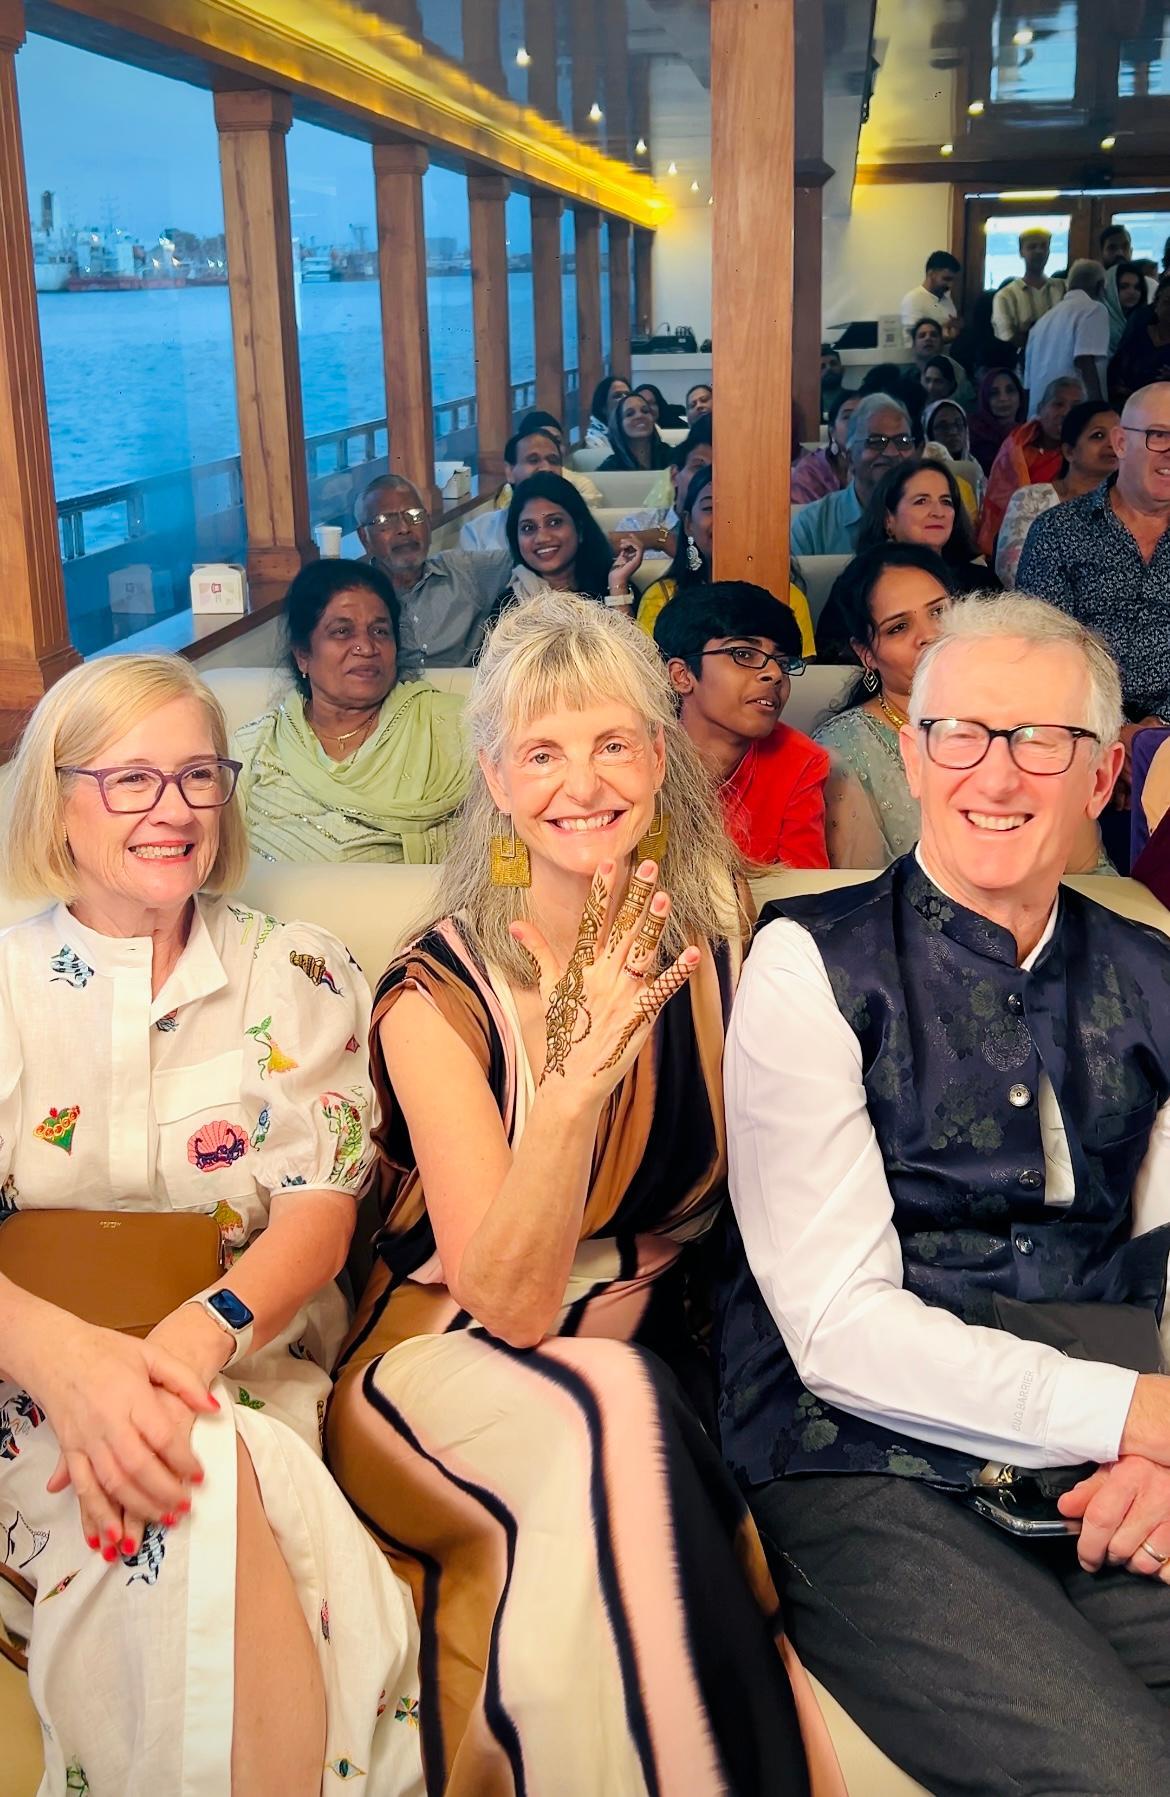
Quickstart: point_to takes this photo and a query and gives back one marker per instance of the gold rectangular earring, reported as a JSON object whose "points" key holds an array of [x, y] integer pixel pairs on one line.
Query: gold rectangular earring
{"points": [[509, 863], [653, 845]]}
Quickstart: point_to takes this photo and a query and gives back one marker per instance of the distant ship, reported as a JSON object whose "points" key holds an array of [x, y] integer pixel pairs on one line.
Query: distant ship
{"points": [[319, 266], [53, 260]]}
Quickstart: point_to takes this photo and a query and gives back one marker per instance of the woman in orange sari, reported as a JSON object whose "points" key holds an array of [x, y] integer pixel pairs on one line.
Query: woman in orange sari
{"points": [[510, 1417], [1030, 453]]}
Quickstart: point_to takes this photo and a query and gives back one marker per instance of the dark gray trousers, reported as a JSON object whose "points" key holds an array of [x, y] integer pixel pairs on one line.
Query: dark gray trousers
{"points": [[976, 1662]]}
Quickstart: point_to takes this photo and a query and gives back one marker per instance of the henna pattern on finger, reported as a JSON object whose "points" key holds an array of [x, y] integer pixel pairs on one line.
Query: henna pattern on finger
{"points": [[650, 934], [649, 1005], [637, 893], [534, 967], [566, 1001]]}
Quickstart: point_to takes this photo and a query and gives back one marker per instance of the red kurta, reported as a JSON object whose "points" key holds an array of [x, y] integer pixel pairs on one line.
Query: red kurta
{"points": [[774, 803]]}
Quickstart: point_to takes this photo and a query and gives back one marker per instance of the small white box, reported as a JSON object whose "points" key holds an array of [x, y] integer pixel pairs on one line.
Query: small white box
{"points": [[453, 480], [219, 587], [890, 334], [131, 589]]}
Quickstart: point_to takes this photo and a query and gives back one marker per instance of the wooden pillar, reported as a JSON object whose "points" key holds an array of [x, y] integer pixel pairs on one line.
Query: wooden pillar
{"points": [[589, 360], [406, 333], [585, 28], [481, 42], [619, 297], [540, 40], [34, 631], [402, 13], [489, 297], [547, 297], [618, 141], [644, 282], [253, 124], [752, 60], [806, 313], [811, 174]]}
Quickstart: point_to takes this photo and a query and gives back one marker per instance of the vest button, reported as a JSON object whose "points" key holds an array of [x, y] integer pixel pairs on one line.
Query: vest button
{"points": [[1031, 1180], [1015, 1003], [1025, 1244], [1020, 1097]]}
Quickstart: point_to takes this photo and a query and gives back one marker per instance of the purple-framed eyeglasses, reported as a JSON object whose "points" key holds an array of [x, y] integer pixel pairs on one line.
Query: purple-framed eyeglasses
{"points": [[205, 785]]}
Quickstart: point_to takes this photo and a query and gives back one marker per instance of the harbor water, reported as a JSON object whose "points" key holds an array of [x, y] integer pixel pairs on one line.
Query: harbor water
{"points": [[140, 384]]}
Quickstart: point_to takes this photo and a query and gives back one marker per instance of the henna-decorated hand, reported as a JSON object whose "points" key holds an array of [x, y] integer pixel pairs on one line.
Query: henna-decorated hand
{"points": [[602, 1006]]}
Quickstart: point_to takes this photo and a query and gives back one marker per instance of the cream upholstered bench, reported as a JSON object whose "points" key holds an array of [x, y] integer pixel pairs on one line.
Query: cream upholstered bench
{"points": [[372, 909]]}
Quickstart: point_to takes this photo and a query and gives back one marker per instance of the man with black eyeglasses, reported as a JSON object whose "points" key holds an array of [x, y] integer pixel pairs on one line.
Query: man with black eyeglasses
{"points": [[444, 597], [1105, 559], [880, 436], [732, 651], [948, 1125]]}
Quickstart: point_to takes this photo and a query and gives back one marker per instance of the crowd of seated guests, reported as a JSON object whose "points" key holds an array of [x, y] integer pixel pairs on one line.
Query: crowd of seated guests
{"points": [[525, 1355]]}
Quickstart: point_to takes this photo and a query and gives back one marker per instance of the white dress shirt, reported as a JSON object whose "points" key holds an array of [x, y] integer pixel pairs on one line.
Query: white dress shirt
{"points": [[809, 1190], [920, 302]]}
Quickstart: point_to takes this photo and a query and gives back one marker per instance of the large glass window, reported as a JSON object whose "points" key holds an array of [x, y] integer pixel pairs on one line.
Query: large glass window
{"points": [[574, 410], [335, 262], [447, 220], [136, 331], [1144, 69], [1149, 232], [1034, 58], [521, 322], [1003, 243]]}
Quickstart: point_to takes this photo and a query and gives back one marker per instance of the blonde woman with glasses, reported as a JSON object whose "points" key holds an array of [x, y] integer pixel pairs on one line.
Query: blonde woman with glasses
{"points": [[183, 1131], [508, 1415]]}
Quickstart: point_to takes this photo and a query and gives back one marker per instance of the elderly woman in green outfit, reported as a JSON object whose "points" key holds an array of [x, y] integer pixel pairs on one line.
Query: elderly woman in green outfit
{"points": [[351, 765]]}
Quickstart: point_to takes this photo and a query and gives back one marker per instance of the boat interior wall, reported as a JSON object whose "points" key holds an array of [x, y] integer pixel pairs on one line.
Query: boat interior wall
{"points": [[878, 250]]}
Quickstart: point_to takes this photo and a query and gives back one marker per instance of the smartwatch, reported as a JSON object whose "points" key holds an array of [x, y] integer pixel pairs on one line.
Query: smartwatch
{"points": [[231, 1315]]}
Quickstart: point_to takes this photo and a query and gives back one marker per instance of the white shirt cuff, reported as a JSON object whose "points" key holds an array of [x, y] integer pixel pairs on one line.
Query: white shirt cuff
{"points": [[1087, 1414]]}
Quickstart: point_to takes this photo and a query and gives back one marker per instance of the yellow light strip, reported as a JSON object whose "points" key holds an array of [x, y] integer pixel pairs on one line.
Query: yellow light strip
{"points": [[338, 54]]}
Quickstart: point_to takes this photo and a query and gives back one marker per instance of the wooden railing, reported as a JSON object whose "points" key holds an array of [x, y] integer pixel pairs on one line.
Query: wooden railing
{"points": [[197, 514]]}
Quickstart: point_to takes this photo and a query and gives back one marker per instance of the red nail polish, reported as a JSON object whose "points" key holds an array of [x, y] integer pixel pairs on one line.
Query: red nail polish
{"points": [[184, 1507], [92, 1541], [214, 1400], [110, 1554], [198, 1478], [127, 1545], [111, 1533], [168, 1521]]}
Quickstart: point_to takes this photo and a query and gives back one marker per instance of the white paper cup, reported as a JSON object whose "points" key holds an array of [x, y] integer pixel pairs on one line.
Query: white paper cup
{"points": [[328, 539]]}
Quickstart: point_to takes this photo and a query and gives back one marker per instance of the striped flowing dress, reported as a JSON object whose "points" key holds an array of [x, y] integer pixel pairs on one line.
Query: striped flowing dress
{"points": [[596, 1613]]}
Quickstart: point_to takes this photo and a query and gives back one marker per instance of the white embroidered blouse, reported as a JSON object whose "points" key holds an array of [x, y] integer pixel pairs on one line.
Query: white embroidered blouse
{"points": [[247, 1075]]}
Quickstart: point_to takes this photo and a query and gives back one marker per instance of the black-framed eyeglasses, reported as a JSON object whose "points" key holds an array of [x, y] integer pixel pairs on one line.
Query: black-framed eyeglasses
{"points": [[205, 785], [1157, 440], [743, 657], [962, 743], [877, 442], [413, 515]]}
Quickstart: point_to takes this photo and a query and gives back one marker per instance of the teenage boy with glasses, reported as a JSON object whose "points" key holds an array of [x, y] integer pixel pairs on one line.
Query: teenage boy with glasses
{"points": [[732, 651]]}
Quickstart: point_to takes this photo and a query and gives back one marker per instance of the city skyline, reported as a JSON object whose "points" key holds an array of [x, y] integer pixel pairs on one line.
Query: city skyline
{"points": [[85, 120]]}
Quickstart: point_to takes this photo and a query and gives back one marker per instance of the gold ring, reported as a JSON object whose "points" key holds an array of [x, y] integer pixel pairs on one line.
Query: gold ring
{"points": [[1162, 1559]]}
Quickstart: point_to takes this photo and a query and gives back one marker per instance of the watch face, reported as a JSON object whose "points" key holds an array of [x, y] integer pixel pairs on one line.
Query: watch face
{"points": [[233, 1310]]}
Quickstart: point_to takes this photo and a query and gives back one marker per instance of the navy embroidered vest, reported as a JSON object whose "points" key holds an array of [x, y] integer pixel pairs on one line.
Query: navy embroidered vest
{"points": [[954, 1037]]}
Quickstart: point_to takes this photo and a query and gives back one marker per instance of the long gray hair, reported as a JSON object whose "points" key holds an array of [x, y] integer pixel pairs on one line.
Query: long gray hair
{"points": [[556, 652]]}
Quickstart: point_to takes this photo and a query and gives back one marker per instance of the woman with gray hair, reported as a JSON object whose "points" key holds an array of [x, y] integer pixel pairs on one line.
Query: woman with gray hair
{"points": [[547, 1055], [178, 1096]]}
